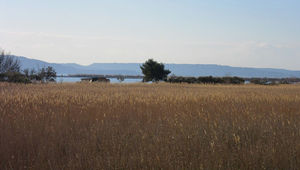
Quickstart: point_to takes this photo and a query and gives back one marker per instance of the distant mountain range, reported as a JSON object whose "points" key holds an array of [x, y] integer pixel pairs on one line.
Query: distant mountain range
{"points": [[177, 69]]}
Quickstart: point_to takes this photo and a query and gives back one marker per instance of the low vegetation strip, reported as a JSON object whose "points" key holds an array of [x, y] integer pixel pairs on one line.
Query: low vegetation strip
{"points": [[206, 80], [149, 126]]}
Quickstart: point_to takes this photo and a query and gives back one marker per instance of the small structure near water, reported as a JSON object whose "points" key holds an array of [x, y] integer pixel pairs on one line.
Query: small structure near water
{"points": [[95, 79]]}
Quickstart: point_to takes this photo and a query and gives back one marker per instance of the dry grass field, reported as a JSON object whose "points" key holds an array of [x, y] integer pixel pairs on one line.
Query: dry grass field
{"points": [[149, 126]]}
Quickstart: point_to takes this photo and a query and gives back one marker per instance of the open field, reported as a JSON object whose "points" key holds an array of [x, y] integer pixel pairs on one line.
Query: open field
{"points": [[149, 126]]}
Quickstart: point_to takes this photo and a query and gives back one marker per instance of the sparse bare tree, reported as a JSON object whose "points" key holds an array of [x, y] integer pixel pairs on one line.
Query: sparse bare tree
{"points": [[8, 63]]}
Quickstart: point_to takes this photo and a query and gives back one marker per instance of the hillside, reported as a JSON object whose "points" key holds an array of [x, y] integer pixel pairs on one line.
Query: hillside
{"points": [[177, 69]]}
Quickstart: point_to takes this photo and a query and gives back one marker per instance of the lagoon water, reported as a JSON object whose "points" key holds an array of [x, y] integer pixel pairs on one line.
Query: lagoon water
{"points": [[78, 79]]}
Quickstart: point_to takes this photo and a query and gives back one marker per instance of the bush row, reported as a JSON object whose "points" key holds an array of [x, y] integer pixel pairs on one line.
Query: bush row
{"points": [[28, 76], [14, 77], [206, 80]]}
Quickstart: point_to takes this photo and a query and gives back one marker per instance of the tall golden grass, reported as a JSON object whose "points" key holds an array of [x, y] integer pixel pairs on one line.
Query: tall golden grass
{"points": [[149, 126]]}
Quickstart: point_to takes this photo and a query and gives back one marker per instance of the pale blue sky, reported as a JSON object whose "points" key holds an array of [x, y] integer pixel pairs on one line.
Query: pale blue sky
{"points": [[252, 33]]}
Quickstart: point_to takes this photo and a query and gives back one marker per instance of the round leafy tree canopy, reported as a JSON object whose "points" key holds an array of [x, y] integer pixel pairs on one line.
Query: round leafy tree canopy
{"points": [[154, 71]]}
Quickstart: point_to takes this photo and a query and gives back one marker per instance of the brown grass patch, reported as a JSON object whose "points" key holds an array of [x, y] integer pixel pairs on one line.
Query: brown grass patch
{"points": [[149, 126]]}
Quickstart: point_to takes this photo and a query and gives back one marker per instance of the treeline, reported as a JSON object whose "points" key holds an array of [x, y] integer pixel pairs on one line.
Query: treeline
{"points": [[206, 80], [10, 71], [273, 81], [231, 80]]}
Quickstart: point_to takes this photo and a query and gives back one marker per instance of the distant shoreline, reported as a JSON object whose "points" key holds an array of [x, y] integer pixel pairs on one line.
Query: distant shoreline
{"points": [[101, 75]]}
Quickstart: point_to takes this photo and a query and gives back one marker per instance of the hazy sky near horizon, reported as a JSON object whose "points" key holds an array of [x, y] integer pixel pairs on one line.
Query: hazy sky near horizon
{"points": [[248, 33]]}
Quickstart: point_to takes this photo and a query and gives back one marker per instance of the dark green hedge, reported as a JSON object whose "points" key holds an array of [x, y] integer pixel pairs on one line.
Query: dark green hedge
{"points": [[206, 80]]}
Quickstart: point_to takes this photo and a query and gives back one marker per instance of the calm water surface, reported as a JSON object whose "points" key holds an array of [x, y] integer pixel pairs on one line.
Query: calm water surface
{"points": [[78, 79]]}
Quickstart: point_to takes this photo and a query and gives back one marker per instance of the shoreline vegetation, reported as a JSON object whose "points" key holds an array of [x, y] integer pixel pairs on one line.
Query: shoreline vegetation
{"points": [[199, 80], [149, 126], [287, 79], [16, 77]]}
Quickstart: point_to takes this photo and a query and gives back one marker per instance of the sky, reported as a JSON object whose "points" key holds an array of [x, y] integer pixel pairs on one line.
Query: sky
{"points": [[246, 33]]}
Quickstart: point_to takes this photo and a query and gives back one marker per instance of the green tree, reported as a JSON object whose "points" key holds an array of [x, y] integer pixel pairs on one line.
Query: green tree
{"points": [[154, 71]]}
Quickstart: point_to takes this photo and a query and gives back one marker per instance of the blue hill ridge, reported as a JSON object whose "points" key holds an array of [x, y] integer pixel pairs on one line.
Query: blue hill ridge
{"points": [[176, 69]]}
